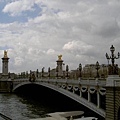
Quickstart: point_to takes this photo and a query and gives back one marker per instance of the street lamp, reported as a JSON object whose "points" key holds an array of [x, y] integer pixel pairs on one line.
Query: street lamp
{"points": [[67, 69], [57, 71], [97, 68], [63, 70], [49, 72], [43, 72], [112, 57], [37, 72], [80, 69]]}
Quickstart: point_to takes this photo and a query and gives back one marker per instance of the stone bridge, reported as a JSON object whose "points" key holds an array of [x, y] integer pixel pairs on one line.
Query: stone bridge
{"points": [[78, 90], [100, 95]]}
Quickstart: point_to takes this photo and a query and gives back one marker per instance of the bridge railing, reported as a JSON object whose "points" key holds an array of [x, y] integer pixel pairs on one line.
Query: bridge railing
{"points": [[77, 82], [70, 81]]}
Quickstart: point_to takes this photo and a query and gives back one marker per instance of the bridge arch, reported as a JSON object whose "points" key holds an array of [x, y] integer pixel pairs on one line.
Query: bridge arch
{"points": [[66, 93], [15, 87]]}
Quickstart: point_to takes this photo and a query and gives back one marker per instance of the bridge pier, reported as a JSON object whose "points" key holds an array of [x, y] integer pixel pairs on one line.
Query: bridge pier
{"points": [[6, 86], [112, 97]]}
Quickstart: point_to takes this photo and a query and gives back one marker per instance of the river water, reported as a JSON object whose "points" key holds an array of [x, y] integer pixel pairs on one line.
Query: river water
{"points": [[20, 108], [36, 102]]}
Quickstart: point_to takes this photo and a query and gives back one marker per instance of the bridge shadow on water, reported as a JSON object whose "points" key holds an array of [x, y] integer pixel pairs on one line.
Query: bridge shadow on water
{"points": [[52, 99]]}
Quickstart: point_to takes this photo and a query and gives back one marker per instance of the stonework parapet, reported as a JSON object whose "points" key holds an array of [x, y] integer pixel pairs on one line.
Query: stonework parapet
{"points": [[113, 80]]}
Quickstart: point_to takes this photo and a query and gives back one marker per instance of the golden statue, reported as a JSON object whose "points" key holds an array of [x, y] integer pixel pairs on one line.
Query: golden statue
{"points": [[5, 53], [59, 57]]}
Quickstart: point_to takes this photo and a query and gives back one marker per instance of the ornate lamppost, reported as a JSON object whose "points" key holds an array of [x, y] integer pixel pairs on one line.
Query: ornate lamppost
{"points": [[24, 76], [80, 69], [97, 68], [37, 72], [49, 72], [43, 72], [57, 72], [67, 69], [112, 57], [63, 70]]}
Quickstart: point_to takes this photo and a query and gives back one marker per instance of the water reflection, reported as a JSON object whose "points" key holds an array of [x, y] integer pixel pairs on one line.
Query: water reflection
{"points": [[20, 108]]}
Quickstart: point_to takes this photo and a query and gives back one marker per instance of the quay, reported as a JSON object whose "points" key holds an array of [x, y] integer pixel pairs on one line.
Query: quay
{"points": [[99, 94]]}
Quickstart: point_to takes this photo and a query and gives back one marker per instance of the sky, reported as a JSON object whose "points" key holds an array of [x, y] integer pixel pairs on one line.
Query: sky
{"points": [[35, 32]]}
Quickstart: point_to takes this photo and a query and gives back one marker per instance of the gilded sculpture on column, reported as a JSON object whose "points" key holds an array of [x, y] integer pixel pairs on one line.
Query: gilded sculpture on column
{"points": [[59, 57], [5, 54]]}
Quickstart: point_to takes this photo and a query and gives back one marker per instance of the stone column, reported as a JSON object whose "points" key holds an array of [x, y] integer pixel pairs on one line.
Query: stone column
{"points": [[5, 61], [112, 97], [59, 65]]}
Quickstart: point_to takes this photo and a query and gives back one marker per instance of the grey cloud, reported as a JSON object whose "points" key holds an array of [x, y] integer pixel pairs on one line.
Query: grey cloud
{"points": [[108, 29], [82, 31]]}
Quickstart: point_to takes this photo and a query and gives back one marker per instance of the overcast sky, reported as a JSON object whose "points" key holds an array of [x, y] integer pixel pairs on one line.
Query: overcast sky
{"points": [[35, 32]]}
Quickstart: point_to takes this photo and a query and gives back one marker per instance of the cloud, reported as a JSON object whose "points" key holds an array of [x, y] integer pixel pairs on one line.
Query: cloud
{"points": [[108, 29], [17, 7], [77, 47], [18, 61], [50, 51], [82, 31]]}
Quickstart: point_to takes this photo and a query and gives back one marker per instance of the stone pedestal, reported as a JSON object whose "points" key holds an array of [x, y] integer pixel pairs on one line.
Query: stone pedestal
{"points": [[60, 65], [6, 86], [5, 66], [112, 97], [5, 61]]}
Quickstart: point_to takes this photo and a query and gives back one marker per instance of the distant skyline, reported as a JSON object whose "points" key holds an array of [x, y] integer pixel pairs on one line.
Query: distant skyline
{"points": [[35, 32]]}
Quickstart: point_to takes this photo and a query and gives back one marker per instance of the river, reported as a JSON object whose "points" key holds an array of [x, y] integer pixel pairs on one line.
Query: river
{"points": [[19, 107], [22, 107]]}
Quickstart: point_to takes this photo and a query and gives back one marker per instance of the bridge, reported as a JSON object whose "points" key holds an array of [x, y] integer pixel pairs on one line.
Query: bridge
{"points": [[74, 89], [106, 92], [101, 95]]}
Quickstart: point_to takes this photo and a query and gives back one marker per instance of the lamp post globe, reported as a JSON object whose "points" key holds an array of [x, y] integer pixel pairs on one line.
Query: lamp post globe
{"points": [[80, 69], [112, 49]]}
